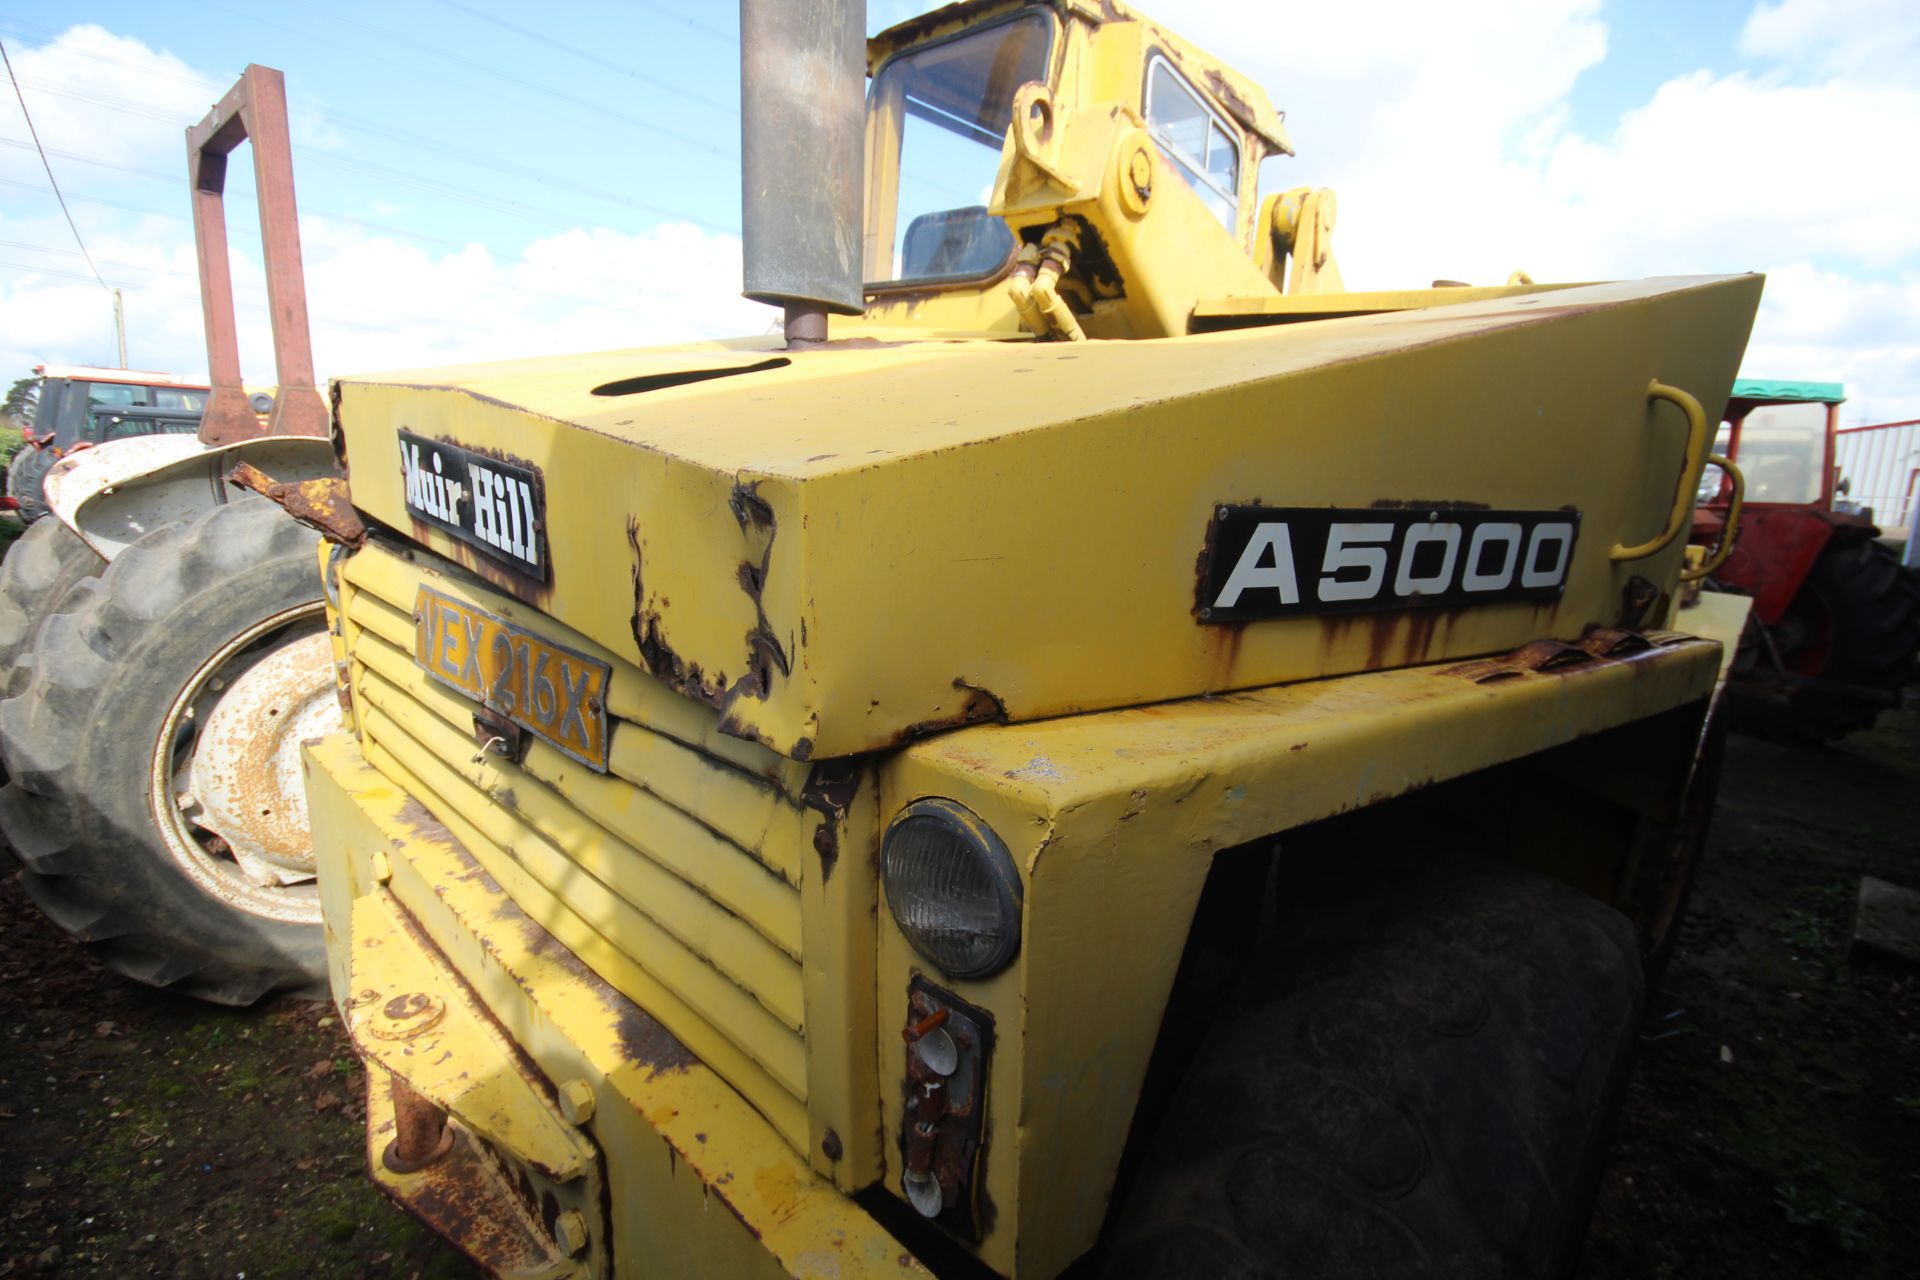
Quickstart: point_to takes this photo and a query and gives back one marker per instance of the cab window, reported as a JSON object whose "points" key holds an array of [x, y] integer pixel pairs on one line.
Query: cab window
{"points": [[1195, 140], [107, 401], [117, 395], [1783, 452], [937, 118]]}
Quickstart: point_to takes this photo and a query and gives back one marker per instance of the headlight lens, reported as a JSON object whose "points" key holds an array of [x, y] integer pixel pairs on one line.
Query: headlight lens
{"points": [[953, 888]]}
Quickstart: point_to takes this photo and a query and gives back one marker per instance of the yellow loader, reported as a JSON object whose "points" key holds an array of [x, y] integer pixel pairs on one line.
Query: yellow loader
{"points": [[1094, 749]]}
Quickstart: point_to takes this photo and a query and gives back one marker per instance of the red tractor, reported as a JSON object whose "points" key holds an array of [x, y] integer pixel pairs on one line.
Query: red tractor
{"points": [[1836, 619]]}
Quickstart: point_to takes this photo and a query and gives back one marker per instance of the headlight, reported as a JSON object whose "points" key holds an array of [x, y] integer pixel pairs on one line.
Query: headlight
{"points": [[260, 402], [953, 888]]}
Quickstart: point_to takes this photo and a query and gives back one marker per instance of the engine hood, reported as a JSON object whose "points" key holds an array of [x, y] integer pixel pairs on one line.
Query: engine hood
{"points": [[853, 545]]}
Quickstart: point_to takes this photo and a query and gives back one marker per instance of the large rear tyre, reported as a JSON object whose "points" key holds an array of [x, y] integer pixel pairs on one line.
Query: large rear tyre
{"points": [[1423, 1085], [41, 567], [27, 479], [1855, 626], [155, 801]]}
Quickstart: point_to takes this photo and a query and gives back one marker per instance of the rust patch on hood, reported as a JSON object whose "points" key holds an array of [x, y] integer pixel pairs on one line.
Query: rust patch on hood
{"points": [[656, 654], [765, 654], [982, 705]]}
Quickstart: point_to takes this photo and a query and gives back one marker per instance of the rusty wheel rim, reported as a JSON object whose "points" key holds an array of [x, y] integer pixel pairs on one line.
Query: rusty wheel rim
{"points": [[192, 782]]}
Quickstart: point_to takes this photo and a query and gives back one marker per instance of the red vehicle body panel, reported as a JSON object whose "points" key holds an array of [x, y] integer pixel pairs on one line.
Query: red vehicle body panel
{"points": [[1777, 548], [1778, 542]]}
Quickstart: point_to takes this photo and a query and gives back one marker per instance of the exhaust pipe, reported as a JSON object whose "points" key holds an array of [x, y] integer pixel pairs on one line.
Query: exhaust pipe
{"points": [[802, 151]]}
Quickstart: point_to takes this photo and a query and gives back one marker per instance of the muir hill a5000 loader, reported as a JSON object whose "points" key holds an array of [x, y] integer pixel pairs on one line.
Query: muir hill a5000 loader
{"points": [[1094, 749]]}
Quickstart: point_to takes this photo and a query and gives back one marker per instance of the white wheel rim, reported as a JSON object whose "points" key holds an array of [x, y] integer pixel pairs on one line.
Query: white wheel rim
{"points": [[224, 782]]}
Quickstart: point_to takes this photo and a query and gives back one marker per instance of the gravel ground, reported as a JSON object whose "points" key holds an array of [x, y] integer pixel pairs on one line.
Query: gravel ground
{"points": [[1773, 1127]]}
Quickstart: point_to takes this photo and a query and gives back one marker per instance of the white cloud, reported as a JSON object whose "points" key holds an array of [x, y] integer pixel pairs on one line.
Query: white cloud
{"points": [[1830, 327], [1446, 131], [1878, 38], [375, 300], [76, 87], [580, 290], [1444, 128]]}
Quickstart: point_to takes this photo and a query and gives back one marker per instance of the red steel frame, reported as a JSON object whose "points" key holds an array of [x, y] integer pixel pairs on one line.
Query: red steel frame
{"points": [[254, 109]]}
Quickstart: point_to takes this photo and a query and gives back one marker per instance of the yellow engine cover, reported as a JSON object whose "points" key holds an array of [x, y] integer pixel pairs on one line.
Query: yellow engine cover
{"points": [[849, 546]]}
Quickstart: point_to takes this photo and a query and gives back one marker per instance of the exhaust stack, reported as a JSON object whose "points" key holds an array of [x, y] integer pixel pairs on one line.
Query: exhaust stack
{"points": [[802, 142]]}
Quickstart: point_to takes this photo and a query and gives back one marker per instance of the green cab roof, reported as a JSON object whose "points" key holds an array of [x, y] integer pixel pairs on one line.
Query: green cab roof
{"points": [[1767, 389]]}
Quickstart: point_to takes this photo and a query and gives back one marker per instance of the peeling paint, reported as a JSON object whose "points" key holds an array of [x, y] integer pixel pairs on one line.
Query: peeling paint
{"points": [[830, 788]]}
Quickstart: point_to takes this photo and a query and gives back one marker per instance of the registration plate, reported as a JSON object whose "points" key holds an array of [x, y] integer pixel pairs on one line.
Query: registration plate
{"points": [[557, 694], [1278, 562]]}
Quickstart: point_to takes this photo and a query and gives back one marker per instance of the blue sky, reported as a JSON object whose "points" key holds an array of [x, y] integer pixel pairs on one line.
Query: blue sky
{"points": [[1650, 42], [447, 122], [481, 179]]}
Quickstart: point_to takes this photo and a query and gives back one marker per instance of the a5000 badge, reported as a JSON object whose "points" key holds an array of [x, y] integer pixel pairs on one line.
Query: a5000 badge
{"points": [[1279, 562]]}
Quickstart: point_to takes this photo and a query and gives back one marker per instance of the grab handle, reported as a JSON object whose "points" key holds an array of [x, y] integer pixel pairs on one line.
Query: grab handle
{"points": [[1695, 462], [1730, 530]]}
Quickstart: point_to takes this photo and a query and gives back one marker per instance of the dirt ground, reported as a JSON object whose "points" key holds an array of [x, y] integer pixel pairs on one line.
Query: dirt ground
{"points": [[1773, 1124], [1773, 1127]]}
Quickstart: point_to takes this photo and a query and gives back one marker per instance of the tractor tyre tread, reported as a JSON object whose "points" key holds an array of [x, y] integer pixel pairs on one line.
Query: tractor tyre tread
{"points": [[27, 481], [40, 568], [1874, 607], [79, 741], [1423, 1086]]}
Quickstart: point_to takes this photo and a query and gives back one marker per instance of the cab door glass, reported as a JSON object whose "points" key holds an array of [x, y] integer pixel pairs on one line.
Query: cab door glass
{"points": [[103, 398], [937, 119]]}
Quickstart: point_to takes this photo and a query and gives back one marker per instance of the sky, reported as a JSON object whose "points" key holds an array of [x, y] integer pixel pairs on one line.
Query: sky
{"points": [[482, 180]]}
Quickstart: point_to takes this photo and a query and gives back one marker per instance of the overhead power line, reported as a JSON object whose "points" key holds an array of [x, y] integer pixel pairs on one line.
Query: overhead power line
{"points": [[587, 55], [494, 164], [512, 208], [652, 130], [45, 164], [693, 24]]}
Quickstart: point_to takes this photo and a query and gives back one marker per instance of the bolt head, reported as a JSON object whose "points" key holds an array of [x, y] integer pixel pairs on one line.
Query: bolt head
{"points": [[576, 1101], [570, 1232]]}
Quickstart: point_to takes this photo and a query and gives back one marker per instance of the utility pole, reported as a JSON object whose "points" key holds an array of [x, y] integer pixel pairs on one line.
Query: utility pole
{"points": [[120, 327]]}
